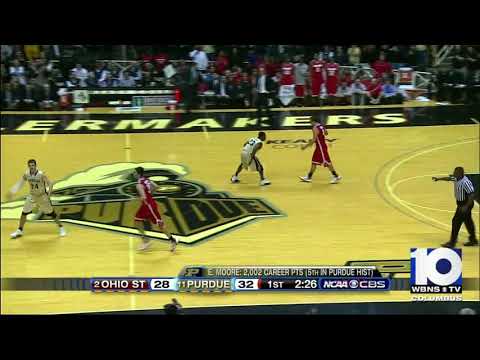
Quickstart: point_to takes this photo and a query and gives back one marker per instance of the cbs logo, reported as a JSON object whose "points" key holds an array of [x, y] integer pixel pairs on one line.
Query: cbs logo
{"points": [[442, 266]]}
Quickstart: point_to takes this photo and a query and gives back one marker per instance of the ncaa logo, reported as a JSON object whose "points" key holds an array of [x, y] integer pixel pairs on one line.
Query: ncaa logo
{"points": [[441, 267]]}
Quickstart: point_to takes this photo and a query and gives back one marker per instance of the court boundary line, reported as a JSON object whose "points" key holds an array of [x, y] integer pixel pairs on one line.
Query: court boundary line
{"points": [[398, 206], [401, 162], [429, 208], [401, 181]]}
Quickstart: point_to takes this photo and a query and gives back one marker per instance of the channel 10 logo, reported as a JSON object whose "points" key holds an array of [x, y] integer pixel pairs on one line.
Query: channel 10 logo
{"points": [[435, 271]]}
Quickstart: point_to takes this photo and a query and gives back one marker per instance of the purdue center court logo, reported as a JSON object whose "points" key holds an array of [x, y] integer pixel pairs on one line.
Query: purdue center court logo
{"points": [[105, 197]]}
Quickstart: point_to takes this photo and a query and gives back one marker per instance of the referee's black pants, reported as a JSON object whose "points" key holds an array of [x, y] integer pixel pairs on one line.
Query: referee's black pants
{"points": [[459, 218]]}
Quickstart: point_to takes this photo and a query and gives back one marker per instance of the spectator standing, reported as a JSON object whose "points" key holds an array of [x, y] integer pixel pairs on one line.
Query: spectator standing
{"points": [[221, 63], [382, 67], [190, 95], [287, 73], [18, 71], [317, 76], [332, 72], [245, 90], [81, 74], [301, 72], [199, 58], [354, 54], [271, 67], [263, 87], [358, 91], [275, 89]]}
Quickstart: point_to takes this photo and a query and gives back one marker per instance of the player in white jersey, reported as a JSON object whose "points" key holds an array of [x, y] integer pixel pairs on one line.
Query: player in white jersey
{"points": [[249, 159], [39, 195]]}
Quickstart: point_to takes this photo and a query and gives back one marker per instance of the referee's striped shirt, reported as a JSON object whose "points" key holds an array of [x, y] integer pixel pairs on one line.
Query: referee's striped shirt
{"points": [[463, 188]]}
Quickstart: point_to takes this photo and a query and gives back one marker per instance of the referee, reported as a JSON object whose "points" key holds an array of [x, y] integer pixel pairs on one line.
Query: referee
{"points": [[464, 194]]}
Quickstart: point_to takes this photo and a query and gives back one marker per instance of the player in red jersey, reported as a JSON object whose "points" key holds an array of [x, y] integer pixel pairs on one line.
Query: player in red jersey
{"points": [[331, 70], [317, 75], [148, 211], [287, 73], [320, 156]]}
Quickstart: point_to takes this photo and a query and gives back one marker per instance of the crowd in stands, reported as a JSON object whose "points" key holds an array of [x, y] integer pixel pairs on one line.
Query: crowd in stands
{"points": [[32, 75]]}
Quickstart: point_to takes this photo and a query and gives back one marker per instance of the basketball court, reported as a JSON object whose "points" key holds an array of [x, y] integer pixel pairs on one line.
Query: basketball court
{"points": [[385, 204]]}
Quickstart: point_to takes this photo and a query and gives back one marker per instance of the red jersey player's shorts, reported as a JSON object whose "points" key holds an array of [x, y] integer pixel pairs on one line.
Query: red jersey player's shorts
{"points": [[300, 90], [321, 156], [316, 86], [332, 84], [149, 211]]}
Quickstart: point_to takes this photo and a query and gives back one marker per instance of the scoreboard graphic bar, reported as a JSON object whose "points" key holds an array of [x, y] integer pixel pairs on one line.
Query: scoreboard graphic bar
{"points": [[238, 284], [235, 279], [220, 279]]}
